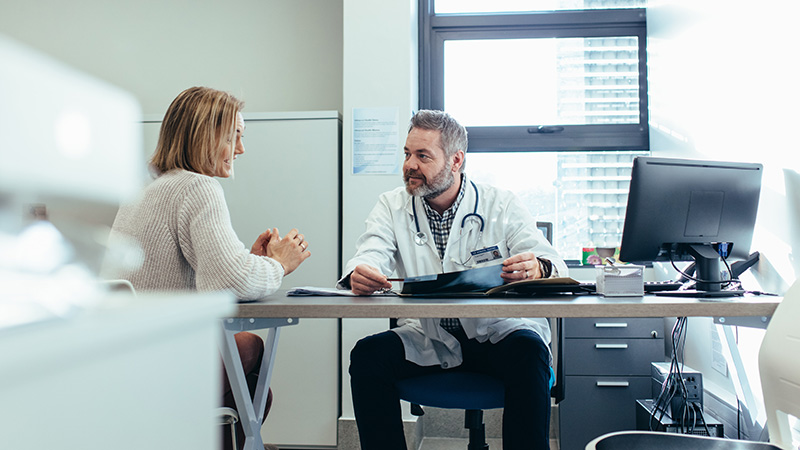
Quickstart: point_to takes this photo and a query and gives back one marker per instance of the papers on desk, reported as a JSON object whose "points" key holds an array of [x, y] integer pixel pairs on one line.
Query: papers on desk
{"points": [[310, 290]]}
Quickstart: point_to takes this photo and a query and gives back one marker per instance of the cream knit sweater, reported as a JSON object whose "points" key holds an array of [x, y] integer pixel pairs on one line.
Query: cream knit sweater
{"points": [[182, 223]]}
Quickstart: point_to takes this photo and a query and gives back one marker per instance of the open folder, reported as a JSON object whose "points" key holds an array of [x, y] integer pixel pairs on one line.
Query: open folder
{"points": [[483, 281]]}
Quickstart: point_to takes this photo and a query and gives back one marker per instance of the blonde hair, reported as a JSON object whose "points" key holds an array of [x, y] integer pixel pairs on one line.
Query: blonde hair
{"points": [[193, 129]]}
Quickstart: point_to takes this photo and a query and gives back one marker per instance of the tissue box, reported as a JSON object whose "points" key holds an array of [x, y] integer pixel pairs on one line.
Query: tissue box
{"points": [[620, 281]]}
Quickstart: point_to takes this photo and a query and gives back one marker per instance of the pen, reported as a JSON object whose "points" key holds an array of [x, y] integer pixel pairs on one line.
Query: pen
{"points": [[396, 279]]}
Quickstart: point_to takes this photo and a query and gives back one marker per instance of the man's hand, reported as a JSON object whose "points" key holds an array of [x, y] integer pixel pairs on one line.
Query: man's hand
{"points": [[366, 279], [524, 266]]}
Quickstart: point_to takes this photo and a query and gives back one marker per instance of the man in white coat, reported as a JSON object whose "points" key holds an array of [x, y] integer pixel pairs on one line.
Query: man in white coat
{"points": [[443, 222]]}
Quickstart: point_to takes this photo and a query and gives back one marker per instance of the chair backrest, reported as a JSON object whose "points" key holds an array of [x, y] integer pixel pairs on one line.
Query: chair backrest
{"points": [[119, 285], [547, 230], [557, 346], [779, 366], [557, 338]]}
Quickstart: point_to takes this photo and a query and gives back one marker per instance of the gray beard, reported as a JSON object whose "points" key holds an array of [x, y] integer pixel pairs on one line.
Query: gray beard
{"points": [[437, 187], [441, 182]]}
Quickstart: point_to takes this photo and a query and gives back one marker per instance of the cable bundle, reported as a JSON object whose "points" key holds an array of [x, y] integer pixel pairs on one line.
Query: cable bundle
{"points": [[673, 400]]}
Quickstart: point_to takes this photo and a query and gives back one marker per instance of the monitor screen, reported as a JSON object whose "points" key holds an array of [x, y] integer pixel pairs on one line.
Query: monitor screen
{"points": [[684, 210]]}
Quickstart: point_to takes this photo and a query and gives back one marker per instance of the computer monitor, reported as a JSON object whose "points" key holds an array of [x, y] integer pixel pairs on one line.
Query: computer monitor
{"points": [[691, 210]]}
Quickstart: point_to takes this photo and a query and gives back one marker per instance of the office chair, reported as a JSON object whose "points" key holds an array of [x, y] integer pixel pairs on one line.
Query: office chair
{"points": [[228, 416], [118, 285], [473, 392], [476, 392], [779, 367], [547, 230]]}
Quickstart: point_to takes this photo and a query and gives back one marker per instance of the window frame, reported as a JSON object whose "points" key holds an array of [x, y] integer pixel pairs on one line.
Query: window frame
{"points": [[435, 29]]}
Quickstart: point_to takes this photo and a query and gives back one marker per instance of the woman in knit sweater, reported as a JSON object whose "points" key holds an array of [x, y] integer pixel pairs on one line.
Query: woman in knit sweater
{"points": [[182, 223]]}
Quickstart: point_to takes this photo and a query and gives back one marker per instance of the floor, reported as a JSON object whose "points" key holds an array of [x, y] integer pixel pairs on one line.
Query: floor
{"points": [[433, 443], [438, 443], [443, 429]]}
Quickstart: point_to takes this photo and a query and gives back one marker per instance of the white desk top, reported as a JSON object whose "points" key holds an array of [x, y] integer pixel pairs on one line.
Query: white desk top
{"points": [[280, 305]]}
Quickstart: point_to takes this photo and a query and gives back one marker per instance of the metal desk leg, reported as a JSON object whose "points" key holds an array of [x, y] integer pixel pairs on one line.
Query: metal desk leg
{"points": [[251, 413]]}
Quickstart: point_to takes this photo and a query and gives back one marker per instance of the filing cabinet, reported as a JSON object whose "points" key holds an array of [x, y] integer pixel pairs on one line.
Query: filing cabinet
{"points": [[304, 414], [606, 369]]}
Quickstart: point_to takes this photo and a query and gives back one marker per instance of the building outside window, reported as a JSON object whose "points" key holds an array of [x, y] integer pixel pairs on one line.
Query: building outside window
{"points": [[554, 100]]}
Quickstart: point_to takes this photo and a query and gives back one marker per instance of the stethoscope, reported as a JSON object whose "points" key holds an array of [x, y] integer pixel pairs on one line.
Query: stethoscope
{"points": [[421, 238]]}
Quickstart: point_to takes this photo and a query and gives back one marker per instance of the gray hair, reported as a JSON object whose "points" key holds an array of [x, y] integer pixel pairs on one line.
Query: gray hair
{"points": [[453, 135]]}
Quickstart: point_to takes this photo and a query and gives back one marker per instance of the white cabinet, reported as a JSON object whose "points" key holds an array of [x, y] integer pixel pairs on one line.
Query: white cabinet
{"points": [[288, 178]]}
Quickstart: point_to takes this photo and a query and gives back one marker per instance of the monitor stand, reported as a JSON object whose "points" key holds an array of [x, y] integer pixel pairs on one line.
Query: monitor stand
{"points": [[706, 269]]}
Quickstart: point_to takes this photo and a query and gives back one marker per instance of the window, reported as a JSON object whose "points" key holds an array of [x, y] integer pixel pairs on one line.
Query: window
{"points": [[583, 194], [554, 101], [565, 81], [496, 6], [571, 80]]}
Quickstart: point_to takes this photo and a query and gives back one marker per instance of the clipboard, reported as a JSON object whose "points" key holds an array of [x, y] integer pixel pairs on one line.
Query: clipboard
{"points": [[487, 282], [558, 285], [471, 281]]}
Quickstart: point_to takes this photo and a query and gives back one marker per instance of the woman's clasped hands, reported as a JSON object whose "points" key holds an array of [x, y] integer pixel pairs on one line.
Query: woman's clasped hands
{"points": [[290, 251]]}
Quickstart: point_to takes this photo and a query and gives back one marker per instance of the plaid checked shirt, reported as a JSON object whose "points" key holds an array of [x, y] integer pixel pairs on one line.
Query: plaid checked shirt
{"points": [[442, 224], [440, 228]]}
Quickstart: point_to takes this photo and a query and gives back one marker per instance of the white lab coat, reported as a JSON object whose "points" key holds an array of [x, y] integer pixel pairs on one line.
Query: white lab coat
{"points": [[388, 245]]}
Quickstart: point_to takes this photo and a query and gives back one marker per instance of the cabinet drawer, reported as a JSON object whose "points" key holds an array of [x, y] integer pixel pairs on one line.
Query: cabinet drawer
{"points": [[611, 356], [593, 406], [612, 327]]}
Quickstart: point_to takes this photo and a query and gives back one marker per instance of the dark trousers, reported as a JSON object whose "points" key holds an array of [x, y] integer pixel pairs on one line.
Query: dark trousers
{"points": [[521, 361]]}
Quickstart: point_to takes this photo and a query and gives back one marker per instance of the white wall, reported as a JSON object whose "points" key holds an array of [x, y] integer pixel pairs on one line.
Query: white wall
{"points": [[380, 70], [723, 86], [276, 55]]}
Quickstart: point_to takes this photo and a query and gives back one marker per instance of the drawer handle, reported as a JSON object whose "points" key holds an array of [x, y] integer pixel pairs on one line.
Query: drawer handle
{"points": [[619, 346], [613, 384], [611, 325]]}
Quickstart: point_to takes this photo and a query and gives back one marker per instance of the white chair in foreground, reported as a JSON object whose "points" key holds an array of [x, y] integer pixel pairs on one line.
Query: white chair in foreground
{"points": [[779, 365], [119, 285]]}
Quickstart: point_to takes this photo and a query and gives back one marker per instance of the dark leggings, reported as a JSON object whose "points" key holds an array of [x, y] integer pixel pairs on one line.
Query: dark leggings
{"points": [[251, 350], [521, 361]]}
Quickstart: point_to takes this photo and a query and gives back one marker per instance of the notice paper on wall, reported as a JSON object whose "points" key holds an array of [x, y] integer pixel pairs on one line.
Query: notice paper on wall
{"points": [[376, 149]]}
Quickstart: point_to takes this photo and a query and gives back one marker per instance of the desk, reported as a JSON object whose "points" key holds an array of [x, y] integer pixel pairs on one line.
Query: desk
{"points": [[279, 305], [279, 310]]}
